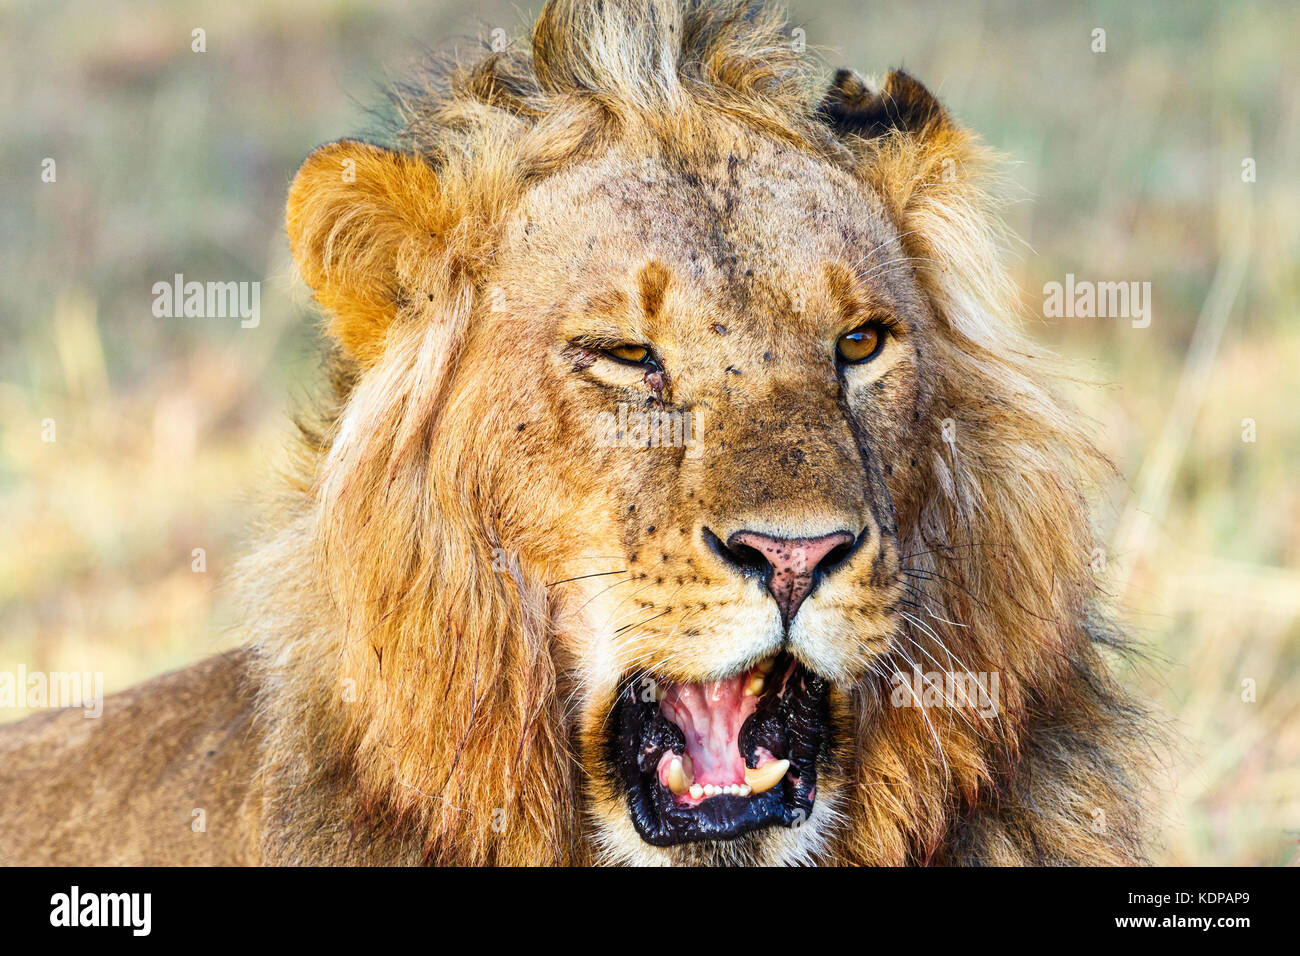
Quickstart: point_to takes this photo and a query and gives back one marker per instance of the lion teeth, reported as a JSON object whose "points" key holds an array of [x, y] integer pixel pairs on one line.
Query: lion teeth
{"points": [[699, 791], [765, 665], [677, 777], [718, 790], [763, 779], [756, 685]]}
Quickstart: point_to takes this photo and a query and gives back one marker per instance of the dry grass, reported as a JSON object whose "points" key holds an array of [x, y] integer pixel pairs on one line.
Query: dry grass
{"points": [[1129, 167]]}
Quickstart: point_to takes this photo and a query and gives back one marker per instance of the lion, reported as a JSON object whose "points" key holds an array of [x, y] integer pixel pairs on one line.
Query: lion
{"points": [[687, 492]]}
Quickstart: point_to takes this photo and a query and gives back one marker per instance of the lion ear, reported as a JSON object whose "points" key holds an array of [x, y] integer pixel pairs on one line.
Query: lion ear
{"points": [[363, 225], [902, 105], [933, 177]]}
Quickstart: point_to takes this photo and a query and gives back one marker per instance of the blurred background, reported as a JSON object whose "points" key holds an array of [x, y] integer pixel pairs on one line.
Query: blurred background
{"points": [[1126, 165]]}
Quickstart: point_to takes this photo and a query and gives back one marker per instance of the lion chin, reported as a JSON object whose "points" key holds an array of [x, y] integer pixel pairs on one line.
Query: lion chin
{"points": [[685, 493]]}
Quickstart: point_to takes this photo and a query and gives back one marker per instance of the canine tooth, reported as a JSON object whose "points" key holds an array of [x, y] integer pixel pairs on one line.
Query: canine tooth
{"points": [[765, 665], [677, 777], [697, 791], [756, 685], [766, 777]]}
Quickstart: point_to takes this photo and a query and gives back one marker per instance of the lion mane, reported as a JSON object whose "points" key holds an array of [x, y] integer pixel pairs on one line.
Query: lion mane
{"points": [[413, 699], [384, 582]]}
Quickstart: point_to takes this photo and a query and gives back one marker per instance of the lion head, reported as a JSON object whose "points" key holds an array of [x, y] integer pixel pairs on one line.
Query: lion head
{"points": [[683, 424]]}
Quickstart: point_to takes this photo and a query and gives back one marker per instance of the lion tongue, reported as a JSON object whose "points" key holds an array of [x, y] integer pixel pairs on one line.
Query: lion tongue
{"points": [[710, 716]]}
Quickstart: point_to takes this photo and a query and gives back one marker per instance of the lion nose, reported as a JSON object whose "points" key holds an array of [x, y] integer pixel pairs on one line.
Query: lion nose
{"points": [[791, 565]]}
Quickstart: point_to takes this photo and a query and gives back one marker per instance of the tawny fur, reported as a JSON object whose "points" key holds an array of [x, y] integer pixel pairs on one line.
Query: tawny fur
{"points": [[418, 688]]}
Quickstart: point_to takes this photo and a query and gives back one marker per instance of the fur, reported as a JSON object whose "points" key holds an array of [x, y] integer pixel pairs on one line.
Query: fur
{"points": [[428, 675]]}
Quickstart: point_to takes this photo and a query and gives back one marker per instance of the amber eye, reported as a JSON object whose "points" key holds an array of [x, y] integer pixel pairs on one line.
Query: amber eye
{"points": [[860, 345], [633, 354]]}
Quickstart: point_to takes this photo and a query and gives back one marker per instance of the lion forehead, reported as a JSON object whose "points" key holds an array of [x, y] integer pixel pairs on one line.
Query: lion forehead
{"points": [[754, 207]]}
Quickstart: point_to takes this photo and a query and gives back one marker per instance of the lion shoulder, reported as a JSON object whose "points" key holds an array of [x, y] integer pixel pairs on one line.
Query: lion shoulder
{"points": [[164, 775]]}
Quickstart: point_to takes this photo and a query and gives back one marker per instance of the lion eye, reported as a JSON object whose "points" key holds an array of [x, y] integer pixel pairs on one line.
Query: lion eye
{"points": [[860, 345], [634, 354]]}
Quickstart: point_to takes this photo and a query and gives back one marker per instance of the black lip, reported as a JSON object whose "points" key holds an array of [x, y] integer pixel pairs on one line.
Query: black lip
{"points": [[793, 725]]}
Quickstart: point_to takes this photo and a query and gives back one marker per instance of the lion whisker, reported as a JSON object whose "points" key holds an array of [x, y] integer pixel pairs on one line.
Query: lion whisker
{"points": [[938, 744], [876, 270], [646, 621], [935, 575], [614, 617], [951, 547], [881, 245], [630, 613], [583, 577], [921, 647], [921, 604]]}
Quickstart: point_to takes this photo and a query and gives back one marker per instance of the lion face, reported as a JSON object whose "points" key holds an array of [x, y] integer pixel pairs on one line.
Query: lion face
{"points": [[660, 371], [718, 399]]}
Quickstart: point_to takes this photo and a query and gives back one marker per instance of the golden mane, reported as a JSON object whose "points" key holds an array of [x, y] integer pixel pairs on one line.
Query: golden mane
{"points": [[393, 652]]}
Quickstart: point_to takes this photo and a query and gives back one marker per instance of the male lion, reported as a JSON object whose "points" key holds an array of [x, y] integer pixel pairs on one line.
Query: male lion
{"points": [[688, 496]]}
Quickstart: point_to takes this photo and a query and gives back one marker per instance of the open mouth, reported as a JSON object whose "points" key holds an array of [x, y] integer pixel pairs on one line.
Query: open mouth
{"points": [[718, 759]]}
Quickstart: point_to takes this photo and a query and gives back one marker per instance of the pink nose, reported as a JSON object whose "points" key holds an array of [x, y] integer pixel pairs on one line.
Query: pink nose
{"points": [[790, 562]]}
